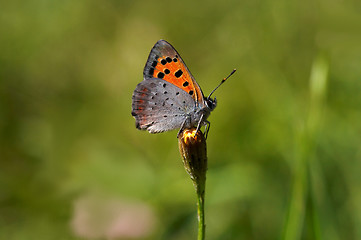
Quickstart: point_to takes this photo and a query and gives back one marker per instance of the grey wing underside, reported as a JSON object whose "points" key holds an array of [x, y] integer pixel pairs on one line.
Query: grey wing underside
{"points": [[160, 106]]}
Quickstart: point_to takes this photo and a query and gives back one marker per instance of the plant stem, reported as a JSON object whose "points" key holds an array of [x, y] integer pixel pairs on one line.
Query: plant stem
{"points": [[200, 211], [193, 149], [303, 201]]}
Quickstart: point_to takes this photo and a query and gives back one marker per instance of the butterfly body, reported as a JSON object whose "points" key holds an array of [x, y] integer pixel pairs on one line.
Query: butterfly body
{"points": [[169, 98]]}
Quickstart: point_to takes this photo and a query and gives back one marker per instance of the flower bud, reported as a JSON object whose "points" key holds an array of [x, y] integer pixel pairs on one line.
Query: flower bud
{"points": [[193, 149]]}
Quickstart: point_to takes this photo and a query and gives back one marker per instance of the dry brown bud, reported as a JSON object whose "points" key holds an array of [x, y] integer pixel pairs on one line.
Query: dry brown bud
{"points": [[193, 149]]}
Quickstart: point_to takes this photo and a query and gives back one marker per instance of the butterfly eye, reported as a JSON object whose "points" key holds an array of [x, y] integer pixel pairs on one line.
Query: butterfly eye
{"points": [[211, 104]]}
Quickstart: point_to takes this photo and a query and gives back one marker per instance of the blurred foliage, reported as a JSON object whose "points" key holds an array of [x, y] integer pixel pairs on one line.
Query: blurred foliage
{"points": [[283, 164]]}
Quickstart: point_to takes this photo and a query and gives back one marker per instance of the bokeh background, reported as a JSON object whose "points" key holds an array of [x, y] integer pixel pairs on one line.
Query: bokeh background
{"points": [[284, 147]]}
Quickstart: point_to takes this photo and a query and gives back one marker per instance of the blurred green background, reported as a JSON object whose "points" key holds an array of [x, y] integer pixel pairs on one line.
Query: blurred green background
{"points": [[284, 147]]}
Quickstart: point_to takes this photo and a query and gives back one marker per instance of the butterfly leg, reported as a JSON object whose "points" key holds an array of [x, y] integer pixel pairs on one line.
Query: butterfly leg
{"points": [[208, 126], [182, 127], [199, 123]]}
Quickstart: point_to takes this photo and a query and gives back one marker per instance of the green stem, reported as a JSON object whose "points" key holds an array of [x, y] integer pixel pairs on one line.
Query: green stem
{"points": [[303, 201], [200, 211], [296, 211], [193, 149]]}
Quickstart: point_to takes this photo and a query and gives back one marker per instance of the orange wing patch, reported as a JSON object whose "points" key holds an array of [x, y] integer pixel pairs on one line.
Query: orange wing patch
{"points": [[164, 62], [173, 71]]}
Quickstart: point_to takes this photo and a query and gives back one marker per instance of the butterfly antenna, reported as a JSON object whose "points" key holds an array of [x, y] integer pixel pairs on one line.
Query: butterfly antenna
{"points": [[223, 80]]}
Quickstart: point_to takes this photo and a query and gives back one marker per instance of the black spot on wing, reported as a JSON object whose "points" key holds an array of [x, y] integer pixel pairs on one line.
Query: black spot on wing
{"points": [[160, 75], [178, 73], [151, 71]]}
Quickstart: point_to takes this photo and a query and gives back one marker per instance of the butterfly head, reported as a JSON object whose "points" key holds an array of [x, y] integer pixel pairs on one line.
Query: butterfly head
{"points": [[211, 103]]}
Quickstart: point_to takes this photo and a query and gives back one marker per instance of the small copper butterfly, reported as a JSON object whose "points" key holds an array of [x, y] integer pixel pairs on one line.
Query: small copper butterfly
{"points": [[169, 97]]}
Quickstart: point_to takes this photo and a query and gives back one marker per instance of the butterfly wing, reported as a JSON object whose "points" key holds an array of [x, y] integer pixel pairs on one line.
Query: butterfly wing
{"points": [[160, 106], [164, 62]]}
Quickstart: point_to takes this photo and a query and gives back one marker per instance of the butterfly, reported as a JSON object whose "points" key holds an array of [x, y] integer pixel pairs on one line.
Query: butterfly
{"points": [[169, 97]]}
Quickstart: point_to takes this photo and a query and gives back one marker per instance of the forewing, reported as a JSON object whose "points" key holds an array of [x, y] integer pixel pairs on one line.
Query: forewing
{"points": [[164, 62], [159, 106]]}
